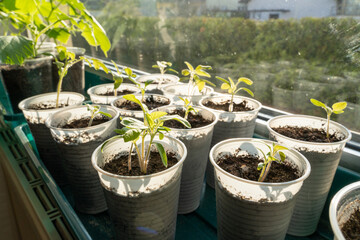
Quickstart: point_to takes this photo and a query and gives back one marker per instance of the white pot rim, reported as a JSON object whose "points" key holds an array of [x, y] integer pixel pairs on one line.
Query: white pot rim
{"points": [[228, 96], [22, 106], [91, 90], [334, 204], [49, 119], [344, 131], [164, 89], [216, 118], [265, 184], [180, 161], [143, 78]]}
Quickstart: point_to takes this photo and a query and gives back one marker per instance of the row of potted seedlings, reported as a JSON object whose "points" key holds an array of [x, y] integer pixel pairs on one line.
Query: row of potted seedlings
{"points": [[156, 155]]}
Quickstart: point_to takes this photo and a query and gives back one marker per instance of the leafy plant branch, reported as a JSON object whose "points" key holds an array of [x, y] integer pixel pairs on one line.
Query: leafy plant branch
{"points": [[336, 108], [134, 130], [232, 89], [269, 158], [194, 75], [94, 111], [188, 107]]}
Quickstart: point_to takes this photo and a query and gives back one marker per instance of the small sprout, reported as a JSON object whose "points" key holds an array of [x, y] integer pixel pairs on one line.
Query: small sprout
{"points": [[118, 80], [232, 89], [188, 107], [163, 67], [135, 130], [194, 77], [142, 89], [269, 158], [95, 110], [336, 108]]}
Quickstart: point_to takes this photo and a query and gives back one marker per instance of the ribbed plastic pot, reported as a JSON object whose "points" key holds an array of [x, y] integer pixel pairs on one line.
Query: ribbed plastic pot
{"points": [[343, 204], [174, 91], [139, 113], [254, 210], [30, 79], [96, 91], [197, 142], [142, 207], [230, 125], [77, 145], [45, 144], [159, 81], [324, 159]]}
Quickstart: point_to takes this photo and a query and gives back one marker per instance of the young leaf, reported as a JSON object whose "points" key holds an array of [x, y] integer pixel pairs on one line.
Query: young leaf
{"points": [[105, 114], [339, 106], [225, 86], [162, 153], [190, 67], [158, 114], [177, 118], [317, 103], [246, 90], [131, 135], [245, 80], [15, 49], [185, 72]]}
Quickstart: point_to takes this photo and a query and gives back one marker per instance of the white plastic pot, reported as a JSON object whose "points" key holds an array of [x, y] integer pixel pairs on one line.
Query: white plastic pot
{"points": [[77, 145], [160, 81], [96, 91], [249, 209], [324, 159], [141, 207], [231, 124], [343, 204], [197, 142], [46, 146], [175, 91], [139, 113]]}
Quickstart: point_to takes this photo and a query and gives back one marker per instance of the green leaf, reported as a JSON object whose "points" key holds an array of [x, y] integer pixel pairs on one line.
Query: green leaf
{"points": [[200, 84], [128, 71], [246, 90], [105, 114], [148, 82], [15, 49], [282, 156], [317, 103], [131, 135], [166, 129], [59, 34], [225, 86], [185, 72], [245, 80], [132, 98], [149, 120], [162, 153], [339, 106], [177, 118], [132, 123], [158, 114], [121, 131], [260, 166], [338, 112], [172, 70], [99, 64], [116, 66], [161, 136], [202, 73], [222, 79], [118, 81], [279, 147], [190, 67], [155, 66]]}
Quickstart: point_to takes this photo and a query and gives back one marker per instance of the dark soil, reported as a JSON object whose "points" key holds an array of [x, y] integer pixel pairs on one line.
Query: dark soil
{"points": [[351, 228], [195, 121], [245, 166], [47, 105], [149, 102], [224, 106], [83, 122], [119, 92], [307, 134], [119, 164]]}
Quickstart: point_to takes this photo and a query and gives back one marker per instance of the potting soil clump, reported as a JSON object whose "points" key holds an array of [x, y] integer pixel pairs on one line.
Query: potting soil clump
{"points": [[351, 228]]}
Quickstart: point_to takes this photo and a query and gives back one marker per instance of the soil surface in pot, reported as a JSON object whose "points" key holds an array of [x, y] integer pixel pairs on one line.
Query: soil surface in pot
{"points": [[245, 166], [150, 102], [307, 134], [195, 120], [46, 106], [119, 164], [83, 122], [351, 228], [224, 106], [119, 92]]}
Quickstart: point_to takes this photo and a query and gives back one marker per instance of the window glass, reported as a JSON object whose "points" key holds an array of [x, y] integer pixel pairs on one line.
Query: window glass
{"points": [[292, 50]]}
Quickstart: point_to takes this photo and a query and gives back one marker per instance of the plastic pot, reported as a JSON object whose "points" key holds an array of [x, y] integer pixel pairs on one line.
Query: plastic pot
{"points": [[141, 207], [250, 209], [231, 125], [94, 92], [174, 91], [343, 204], [77, 145], [30, 79], [197, 142], [45, 145], [139, 113], [324, 159], [160, 81]]}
